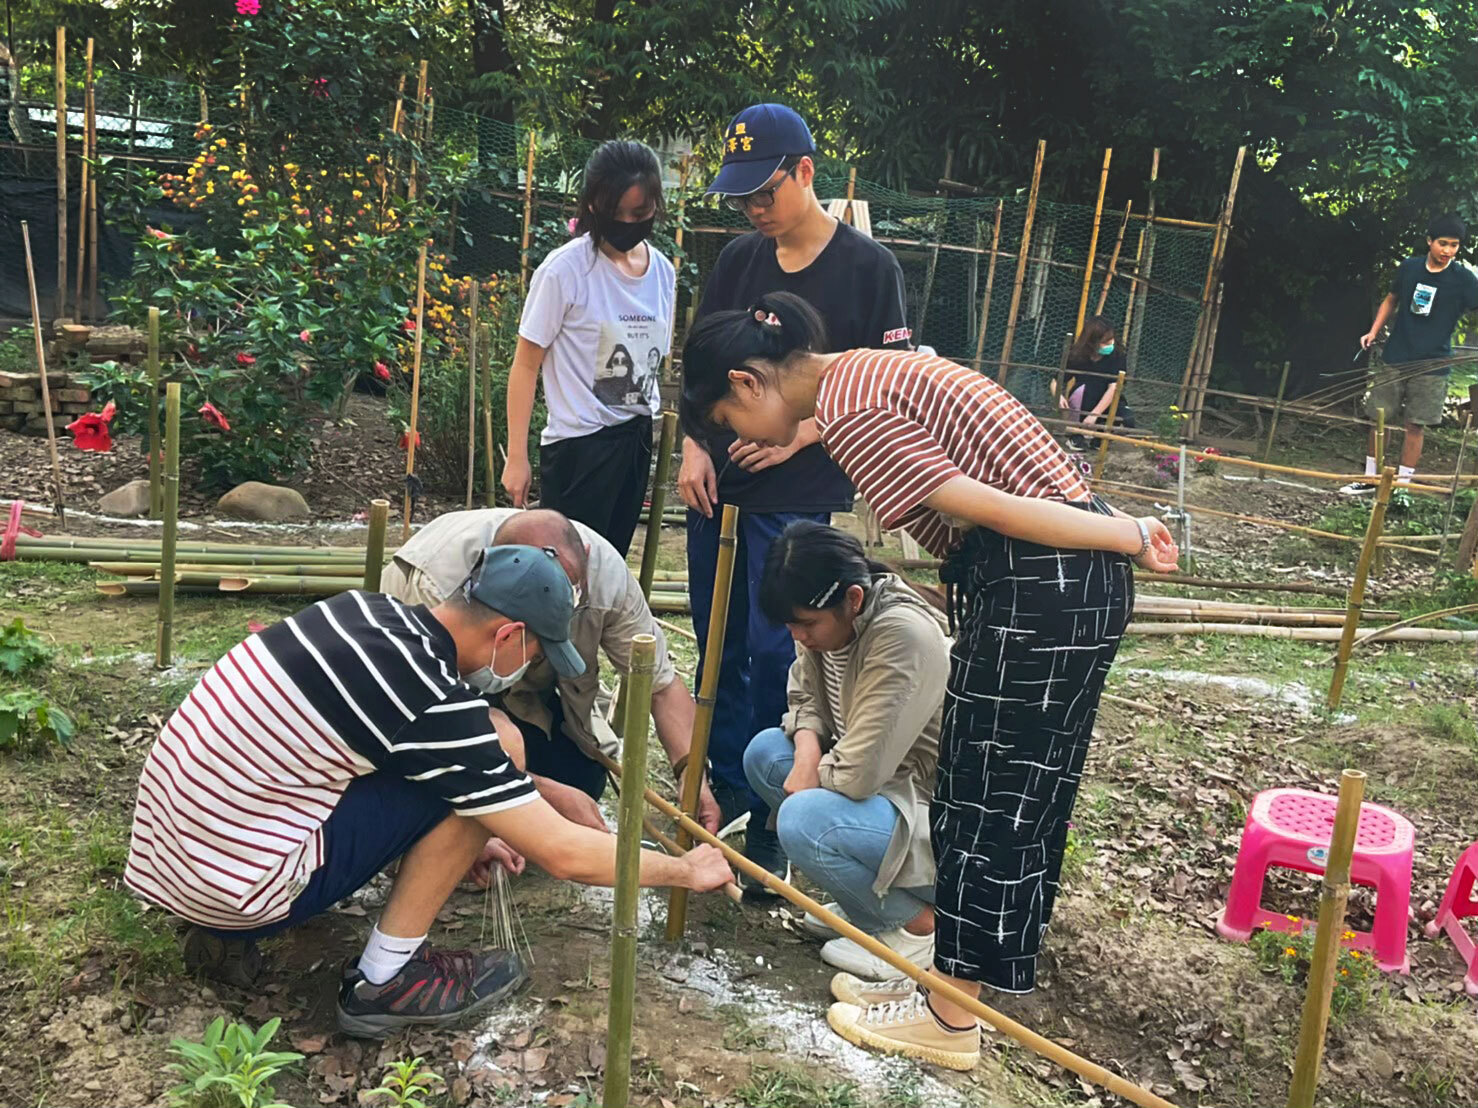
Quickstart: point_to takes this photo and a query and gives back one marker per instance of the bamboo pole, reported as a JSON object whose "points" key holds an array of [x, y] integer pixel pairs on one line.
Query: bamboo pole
{"points": [[56, 464], [156, 486], [1207, 357], [1238, 586], [397, 112], [1357, 587], [61, 172], [287, 584], [1273, 423], [851, 195], [1113, 265], [1108, 154], [990, 283], [1305, 634], [730, 890], [71, 542], [1462, 447], [82, 198], [666, 443], [1468, 542], [471, 388], [1085, 1069], [92, 202], [1108, 424], [1127, 327], [374, 544], [1378, 563], [677, 262], [185, 564], [204, 106], [1140, 288], [489, 450], [1380, 634], [410, 444], [528, 218], [621, 1007], [1333, 895], [164, 648], [676, 630], [414, 169], [1022, 254], [718, 621]]}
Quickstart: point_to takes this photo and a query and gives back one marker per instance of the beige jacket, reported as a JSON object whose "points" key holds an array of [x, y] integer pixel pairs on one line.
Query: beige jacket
{"points": [[892, 698]]}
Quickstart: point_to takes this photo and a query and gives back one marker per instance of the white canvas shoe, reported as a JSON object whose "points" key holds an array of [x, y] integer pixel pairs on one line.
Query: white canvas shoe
{"points": [[846, 955], [812, 925]]}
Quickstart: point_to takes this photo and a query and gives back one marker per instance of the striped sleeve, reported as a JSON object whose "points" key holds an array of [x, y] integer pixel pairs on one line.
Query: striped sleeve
{"points": [[453, 748], [894, 462]]}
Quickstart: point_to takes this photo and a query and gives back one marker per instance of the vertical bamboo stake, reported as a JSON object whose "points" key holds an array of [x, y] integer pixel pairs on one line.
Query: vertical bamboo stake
{"points": [[1108, 426], [92, 202], [1267, 452], [163, 653], [1357, 587], [677, 262], [847, 216], [622, 1004], [1126, 328], [56, 464], [490, 497], [204, 106], [471, 388], [156, 487], [397, 111], [1180, 516], [1021, 260], [1333, 895], [61, 171], [1108, 154], [1141, 287], [1457, 472], [528, 218], [1207, 357], [82, 199], [1113, 264], [718, 620], [410, 442], [990, 282], [1378, 563], [374, 544], [414, 169], [666, 443]]}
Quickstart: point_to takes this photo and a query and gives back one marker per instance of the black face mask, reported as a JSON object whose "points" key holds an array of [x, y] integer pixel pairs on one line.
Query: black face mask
{"points": [[625, 236]]}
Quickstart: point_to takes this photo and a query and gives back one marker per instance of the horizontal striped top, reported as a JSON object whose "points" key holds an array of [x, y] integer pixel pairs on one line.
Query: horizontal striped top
{"points": [[902, 423], [235, 791]]}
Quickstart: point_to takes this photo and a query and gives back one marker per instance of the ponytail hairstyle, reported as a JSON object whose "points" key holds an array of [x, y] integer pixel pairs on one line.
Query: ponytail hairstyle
{"points": [[811, 566], [756, 340], [613, 168], [1095, 329]]}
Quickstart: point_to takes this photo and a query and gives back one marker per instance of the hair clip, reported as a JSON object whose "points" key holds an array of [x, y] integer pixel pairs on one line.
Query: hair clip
{"points": [[819, 600], [769, 319]]}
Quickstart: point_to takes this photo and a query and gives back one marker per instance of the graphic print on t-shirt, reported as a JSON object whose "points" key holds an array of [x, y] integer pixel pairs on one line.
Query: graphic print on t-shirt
{"points": [[625, 370], [1422, 298]]}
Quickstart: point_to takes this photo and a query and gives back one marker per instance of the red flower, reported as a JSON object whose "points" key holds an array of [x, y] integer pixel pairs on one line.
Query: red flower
{"points": [[245, 359], [192, 352], [410, 325], [405, 439], [305, 335], [90, 431], [155, 232], [211, 414], [382, 371]]}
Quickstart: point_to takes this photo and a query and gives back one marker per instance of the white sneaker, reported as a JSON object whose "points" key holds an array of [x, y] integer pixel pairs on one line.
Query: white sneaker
{"points": [[1357, 488], [812, 925], [850, 989], [734, 826], [846, 955]]}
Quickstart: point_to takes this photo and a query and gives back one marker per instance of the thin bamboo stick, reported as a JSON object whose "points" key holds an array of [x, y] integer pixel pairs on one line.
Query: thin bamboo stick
{"points": [[684, 165], [414, 169], [471, 388], [1381, 634], [1333, 895], [730, 890], [374, 546], [1108, 424], [1305, 634], [61, 172], [1022, 253], [92, 205], [1192, 224], [528, 218], [1273, 422], [185, 564], [1030, 1039], [56, 464], [1207, 359], [82, 198], [1377, 564], [72, 542], [1357, 587], [1238, 586], [488, 449], [851, 195], [289, 585], [164, 648], [1140, 287], [666, 443], [397, 112], [1127, 327], [990, 283], [676, 630], [718, 619], [1269, 619], [156, 486], [410, 444], [1462, 447], [1108, 154], [621, 1008], [1113, 266]]}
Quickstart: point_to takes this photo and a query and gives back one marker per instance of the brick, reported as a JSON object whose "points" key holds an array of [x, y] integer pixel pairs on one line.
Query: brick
{"points": [[6, 407], [75, 334], [12, 422], [27, 407], [35, 424], [73, 396], [24, 392], [75, 409]]}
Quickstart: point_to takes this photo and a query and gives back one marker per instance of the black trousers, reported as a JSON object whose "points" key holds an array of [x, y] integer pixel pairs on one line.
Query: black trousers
{"points": [[600, 479], [556, 756], [1038, 628]]}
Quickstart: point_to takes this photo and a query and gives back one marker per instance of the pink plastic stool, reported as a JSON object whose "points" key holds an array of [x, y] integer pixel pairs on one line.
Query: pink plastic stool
{"points": [[1458, 904], [1292, 828]]}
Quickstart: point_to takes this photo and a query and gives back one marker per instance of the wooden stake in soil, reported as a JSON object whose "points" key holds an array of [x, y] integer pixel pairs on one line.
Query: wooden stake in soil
{"points": [[1108, 425], [628, 870], [718, 620], [1108, 154], [56, 463], [410, 442], [374, 544], [1378, 563], [1457, 470], [1357, 590], [1113, 265], [414, 169], [82, 197], [490, 497], [61, 171], [666, 443], [471, 387], [528, 217], [92, 203], [1022, 252], [1139, 288], [1333, 895], [156, 488], [164, 650], [1267, 451]]}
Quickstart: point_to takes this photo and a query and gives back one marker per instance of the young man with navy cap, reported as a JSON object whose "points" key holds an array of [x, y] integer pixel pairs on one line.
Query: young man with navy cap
{"points": [[319, 751], [857, 287]]}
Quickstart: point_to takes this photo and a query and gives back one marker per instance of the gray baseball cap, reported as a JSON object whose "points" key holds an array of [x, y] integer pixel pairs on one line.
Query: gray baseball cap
{"points": [[528, 584]]}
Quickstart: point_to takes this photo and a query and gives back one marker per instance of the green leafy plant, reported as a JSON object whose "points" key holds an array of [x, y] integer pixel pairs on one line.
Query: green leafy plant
{"points": [[1289, 954], [408, 1084], [230, 1067], [21, 648], [30, 723], [1169, 425]]}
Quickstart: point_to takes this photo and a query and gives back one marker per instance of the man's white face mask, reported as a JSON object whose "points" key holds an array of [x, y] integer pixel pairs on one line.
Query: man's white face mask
{"points": [[488, 680]]}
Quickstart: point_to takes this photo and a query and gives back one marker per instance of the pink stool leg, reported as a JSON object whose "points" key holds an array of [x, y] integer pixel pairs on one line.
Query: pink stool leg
{"points": [[1244, 897], [1392, 913]]}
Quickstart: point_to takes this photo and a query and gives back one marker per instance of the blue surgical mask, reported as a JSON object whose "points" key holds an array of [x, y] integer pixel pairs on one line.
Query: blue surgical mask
{"points": [[1106, 349], [488, 680]]}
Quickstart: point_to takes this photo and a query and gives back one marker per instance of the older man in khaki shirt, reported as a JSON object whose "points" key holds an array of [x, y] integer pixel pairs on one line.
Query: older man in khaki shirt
{"points": [[557, 715]]}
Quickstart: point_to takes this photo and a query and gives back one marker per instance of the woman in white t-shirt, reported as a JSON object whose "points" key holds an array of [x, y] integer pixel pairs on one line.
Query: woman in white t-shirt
{"points": [[598, 308]]}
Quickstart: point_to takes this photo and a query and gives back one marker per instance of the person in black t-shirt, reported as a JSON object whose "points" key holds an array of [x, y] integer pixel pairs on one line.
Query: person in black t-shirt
{"points": [[1093, 362], [857, 287], [1428, 296]]}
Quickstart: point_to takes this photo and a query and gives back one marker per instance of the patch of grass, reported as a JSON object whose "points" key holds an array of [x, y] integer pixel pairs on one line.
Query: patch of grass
{"points": [[790, 1088], [1431, 1088], [1451, 722], [740, 1034]]}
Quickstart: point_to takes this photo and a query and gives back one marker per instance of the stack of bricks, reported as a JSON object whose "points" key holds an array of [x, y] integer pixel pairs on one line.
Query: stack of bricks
{"points": [[21, 407]]}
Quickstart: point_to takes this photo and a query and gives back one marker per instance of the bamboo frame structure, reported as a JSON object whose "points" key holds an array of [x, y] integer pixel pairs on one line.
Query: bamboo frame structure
{"points": [[1383, 634], [666, 443], [1108, 155], [164, 646], [990, 284], [684, 165], [1239, 586], [1462, 448], [1113, 264], [1267, 451], [1139, 289], [56, 462], [61, 172], [1378, 563], [718, 620], [92, 203], [1334, 893], [1306, 634], [374, 544], [471, 387], [156, 486], [622, 1003], [1108, 423], [413, 171], [528, 216], [1357, 587], [1023, 253], [1208, 354], [489, 449], [410, 444], [85, 173]]}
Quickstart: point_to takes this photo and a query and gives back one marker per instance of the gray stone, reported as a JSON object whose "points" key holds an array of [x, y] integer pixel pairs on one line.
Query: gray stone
{"points": [[256, 500], [128, 500]]}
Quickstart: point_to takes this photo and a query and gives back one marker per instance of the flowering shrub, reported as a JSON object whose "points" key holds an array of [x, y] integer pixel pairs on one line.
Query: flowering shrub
{"points": [[1167, 468], [1209, 465], [1170, 424], [1289, 954]]}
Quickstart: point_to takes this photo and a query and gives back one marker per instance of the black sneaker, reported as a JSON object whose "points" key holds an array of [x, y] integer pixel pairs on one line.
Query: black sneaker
{"points": [[733, 807], [235, 962], [1077, 443], [435, 987], [762, 847], [1357, 488]]}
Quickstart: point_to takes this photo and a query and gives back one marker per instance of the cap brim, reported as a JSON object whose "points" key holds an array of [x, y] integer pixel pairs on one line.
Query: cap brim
{"points": [[742, 178], [563, 657]]}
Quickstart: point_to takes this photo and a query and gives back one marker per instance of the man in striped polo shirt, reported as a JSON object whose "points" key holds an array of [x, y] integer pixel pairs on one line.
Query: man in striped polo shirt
{"points": [[319, 751]]}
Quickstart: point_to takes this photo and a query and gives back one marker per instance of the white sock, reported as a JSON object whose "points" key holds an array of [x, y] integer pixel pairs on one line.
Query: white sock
{"points": [[1370, 465], [1403, 474], [384, 955]]}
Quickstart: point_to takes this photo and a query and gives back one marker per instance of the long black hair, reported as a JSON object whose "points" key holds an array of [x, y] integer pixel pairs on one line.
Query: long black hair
{"points": [[771, 329], [613, 168], [811, 566]]}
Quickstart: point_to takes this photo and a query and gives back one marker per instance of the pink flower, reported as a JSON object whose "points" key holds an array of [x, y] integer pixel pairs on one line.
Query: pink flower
{"points": [[90, 431], [572, 224], [248, 7], [382, 371], [305, 335], [410, 325], [155, 232], [245, 359], [405, 439], [211, 414]]}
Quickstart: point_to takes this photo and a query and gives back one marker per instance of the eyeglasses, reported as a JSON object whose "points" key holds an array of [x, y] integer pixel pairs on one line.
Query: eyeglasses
{"points": [[759, 198]]}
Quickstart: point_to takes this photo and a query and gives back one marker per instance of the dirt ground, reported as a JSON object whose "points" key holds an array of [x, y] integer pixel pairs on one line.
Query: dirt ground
{"points": [[1133, 976]]}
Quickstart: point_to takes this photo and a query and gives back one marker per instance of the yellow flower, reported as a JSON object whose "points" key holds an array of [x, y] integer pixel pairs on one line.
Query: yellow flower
{"points": [[357, 194], [1348, 935], [1288, 950], [1291, 919], [241, 202], [1344, 973]]}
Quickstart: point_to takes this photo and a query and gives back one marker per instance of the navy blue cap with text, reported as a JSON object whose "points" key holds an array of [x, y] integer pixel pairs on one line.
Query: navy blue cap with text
{"points": [[756, 142]]}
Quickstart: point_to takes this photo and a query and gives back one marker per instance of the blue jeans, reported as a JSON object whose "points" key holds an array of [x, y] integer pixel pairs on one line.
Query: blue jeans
{"points": [[834, 840], [757, 653]]}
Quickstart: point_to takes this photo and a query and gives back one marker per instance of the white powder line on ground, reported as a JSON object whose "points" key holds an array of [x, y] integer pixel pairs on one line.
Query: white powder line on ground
{"points": [[1294, 693], [1277, 481]]}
